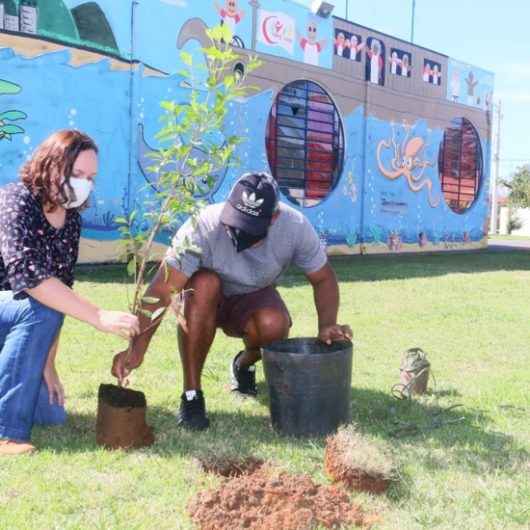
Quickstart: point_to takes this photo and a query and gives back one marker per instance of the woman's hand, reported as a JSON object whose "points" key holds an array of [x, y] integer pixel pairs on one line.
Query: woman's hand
{"points": [[122, 324], [55, 387]]}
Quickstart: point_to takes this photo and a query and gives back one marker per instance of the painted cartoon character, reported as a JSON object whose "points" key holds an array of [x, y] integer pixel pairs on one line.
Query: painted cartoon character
{"points": [[455, 85], [471, 84], [406, 162], [230, 14], [436, 75], [356, 48], [405, 65], [394, 62], [427, 72], [376, 62], [340, 44], [312, 48]]}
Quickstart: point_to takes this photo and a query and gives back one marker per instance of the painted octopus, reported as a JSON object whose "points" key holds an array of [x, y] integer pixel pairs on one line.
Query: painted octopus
{"points": [[406, 162]]}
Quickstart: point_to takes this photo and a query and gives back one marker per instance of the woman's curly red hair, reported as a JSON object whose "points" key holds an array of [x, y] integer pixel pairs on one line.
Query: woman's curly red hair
{"points": [[52, 162]]}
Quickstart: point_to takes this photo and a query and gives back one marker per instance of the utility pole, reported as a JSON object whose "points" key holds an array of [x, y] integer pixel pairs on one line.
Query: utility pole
{"points": [[496, 176], [347, 9], [413, 21]]}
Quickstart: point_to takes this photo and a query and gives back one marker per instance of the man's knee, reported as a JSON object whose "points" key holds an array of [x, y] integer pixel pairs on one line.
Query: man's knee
{"points": [[266, 326]]}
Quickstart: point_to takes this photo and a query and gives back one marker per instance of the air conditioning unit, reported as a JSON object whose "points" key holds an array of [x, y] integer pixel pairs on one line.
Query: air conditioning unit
{"points": [[322, 9]]}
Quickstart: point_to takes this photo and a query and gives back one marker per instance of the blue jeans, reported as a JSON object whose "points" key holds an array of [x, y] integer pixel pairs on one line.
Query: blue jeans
{"points": [[27, 331]]}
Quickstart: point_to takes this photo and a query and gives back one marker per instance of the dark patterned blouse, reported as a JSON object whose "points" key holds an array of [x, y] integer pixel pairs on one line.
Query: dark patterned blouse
{"points": [[31, 249]]}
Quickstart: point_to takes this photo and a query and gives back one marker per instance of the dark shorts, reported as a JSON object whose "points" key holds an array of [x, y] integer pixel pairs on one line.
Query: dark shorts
{"points": [[233, 313]]}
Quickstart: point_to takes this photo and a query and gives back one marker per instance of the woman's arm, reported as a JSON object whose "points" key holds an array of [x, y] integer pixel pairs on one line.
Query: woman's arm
{"points": [[53, 293]]}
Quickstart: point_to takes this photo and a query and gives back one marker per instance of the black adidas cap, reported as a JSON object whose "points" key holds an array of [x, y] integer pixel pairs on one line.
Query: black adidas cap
{"points": [[251, 203]]}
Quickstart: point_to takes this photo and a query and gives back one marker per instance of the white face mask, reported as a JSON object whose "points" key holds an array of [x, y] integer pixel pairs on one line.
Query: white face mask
{"points": [[82, 189]]}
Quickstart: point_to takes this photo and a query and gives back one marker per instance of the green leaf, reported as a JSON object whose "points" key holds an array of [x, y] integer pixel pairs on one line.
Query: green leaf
{"points": [[158, 312], [146, 313], [7, 87], [12, 129], [13, 115], [131, 267], [150, 300]]}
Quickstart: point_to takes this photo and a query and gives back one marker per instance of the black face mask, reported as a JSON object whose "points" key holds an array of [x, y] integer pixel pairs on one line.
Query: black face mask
{"points": [[242, 240]]}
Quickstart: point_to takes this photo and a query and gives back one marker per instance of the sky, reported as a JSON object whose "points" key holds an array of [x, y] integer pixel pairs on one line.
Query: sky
{"points": [[490, 34]]}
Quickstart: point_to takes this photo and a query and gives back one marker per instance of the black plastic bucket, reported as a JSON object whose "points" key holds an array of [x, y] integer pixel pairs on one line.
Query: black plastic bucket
{"points": [[309, 385]]}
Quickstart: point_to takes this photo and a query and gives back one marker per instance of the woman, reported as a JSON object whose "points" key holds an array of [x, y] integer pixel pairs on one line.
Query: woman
{"points": [[40, 227]]}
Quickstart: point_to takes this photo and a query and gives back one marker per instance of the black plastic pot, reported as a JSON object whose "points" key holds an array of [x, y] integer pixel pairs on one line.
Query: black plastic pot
{"points": [[309, 385]]}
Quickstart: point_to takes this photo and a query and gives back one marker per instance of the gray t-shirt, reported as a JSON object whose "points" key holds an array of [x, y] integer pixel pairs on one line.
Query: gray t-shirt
{"points": [[291, 240]]}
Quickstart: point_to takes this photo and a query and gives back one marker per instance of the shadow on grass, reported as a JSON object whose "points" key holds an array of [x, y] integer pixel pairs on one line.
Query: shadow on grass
{"points": [[461, 430], [405, 425], [233, 433]]}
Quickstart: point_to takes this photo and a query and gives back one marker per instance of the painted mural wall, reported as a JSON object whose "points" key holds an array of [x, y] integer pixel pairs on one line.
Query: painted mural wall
{"points": [[382, 144]]}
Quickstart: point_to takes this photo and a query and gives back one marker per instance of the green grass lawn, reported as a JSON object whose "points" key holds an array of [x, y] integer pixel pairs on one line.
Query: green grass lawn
{"points": [[508, 237], [470, 312]]}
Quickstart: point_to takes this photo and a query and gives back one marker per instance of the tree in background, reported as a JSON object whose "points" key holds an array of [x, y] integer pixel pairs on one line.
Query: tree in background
{"points": [[519, 187]]}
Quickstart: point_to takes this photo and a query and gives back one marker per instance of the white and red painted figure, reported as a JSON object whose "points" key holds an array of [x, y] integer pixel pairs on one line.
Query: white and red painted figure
{"points": [[427, 72], [376, 65], [341, 44], [405, 65], [399, 63], [355, 48], [436, 75], [311, 46], [394, 61], [230, 14]]}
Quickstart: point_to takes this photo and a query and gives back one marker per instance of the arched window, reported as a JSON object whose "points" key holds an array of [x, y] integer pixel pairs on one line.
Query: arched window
{"points": [[460, 164], [305, 142]]}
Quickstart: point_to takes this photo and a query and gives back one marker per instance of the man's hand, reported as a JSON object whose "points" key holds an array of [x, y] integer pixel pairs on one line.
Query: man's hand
{"points": [[124, 363], [329, 334], [55, 387]]}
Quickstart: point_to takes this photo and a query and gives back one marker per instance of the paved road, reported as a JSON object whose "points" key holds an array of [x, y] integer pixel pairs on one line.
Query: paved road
{"points": [[508, 245]]}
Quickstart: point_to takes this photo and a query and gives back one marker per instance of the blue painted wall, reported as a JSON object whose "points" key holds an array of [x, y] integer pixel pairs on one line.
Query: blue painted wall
{"points": [[117, 102]]}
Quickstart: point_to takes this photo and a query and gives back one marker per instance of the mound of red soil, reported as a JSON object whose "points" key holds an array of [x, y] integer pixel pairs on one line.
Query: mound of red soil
{"points": [[350, 477], [265, 500], [231, 468]]}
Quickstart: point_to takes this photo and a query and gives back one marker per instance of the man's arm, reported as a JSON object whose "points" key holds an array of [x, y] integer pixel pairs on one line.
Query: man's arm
{"points": [[167, 281], [326, 295]]}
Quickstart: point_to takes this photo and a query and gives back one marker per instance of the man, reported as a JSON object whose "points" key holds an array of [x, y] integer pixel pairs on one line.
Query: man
{"points": [[236, 251]]}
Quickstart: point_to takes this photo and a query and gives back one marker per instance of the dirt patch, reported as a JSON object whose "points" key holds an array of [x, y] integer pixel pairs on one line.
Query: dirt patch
{"points": [[230, 467], [271, 500], [351, 460]]}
